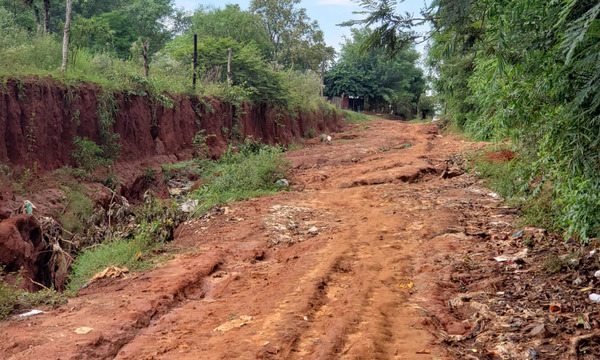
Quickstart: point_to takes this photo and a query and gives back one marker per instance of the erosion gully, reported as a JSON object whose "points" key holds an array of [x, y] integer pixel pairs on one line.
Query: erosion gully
{"points": [[351, 263]]}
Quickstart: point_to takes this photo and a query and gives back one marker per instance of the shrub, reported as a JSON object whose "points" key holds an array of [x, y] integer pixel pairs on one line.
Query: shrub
{"points": [[9, 297], [87, 154], [250, 172], [201, 149], [78, 208], [122, 253]]}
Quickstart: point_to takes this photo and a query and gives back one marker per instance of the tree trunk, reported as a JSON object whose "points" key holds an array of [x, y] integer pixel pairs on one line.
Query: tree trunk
{"points": [[229, 66], [145, 55], [47, 16], [67, 32], [322, 77]]}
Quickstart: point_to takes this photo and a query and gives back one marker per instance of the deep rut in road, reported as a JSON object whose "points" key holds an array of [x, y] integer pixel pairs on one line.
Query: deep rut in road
{"points": [[350, 265]]}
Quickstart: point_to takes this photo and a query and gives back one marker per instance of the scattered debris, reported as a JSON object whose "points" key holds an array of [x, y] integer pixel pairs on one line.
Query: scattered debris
{"points": [[111, 272], [189, 206], [31, 313], [234, 322], [83, 330], [282, 183], [291, 224], [518, 234], [27, 208]]}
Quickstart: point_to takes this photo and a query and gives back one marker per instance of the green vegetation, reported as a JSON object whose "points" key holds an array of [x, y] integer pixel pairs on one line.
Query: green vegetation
{"points": [[11, 297], [353, 117], [87, 154], [403, 146], [199, 145], [277, 52], [171, 171], [385, 83], [78, 208], [133, 254], [250, 172], [526, 70]]}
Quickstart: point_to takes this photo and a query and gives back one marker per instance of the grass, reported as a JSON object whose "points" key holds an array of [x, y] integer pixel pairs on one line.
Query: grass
{"points": [[403, 146], [12, 298], [347, 140], [353, 117], [248, 171], [512, 181], [135, 254], [40, 55], [251, 172], [77, 208], [194, 166], [419, 121]]}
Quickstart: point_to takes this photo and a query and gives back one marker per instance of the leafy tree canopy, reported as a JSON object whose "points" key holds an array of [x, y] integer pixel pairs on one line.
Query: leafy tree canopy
{"points": [[372, 74]]}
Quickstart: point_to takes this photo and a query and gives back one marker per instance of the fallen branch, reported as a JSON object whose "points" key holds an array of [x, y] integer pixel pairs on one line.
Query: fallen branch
{"points": [[576, 341]]}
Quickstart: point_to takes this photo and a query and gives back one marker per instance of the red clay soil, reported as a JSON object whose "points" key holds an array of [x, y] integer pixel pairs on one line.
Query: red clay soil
{"points": [[22, 248], [355, 263], [39, 118], [500, 156]]}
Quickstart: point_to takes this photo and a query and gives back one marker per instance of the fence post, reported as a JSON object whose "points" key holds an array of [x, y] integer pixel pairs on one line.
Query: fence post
{"points": [[195, 63]]}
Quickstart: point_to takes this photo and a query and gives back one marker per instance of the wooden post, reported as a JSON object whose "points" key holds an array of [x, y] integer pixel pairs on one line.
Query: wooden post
{"points": [[195, 63], [229, 51], [145, 55]]}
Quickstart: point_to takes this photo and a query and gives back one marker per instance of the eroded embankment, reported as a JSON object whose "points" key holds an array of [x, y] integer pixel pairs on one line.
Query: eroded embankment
{"points": [[40, 117]]}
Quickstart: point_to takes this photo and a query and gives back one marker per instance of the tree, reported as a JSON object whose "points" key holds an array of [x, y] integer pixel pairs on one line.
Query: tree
{"points": [[67, 29], [93, 33], [248, 27], [297, 41], [527, 70], [371, 74]]}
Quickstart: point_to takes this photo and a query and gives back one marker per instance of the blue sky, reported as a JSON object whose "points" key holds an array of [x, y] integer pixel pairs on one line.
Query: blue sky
{"points": [[327, 12]]}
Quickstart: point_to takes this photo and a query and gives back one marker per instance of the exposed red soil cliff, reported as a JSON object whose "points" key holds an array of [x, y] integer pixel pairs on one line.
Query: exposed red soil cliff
{"points": [[40, 117]]}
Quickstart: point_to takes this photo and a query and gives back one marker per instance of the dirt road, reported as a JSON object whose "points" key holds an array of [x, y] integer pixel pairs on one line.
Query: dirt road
{"points": [[352, 264]]}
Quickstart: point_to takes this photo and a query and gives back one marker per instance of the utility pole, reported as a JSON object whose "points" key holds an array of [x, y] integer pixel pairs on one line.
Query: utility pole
{"points": [[195, 63]]}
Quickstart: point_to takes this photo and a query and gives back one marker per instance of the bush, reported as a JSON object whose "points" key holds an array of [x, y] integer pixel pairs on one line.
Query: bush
{"points": [[78, 208], [87, 154], [133, 254], [9, 297], [250, 172], [201, 149]]}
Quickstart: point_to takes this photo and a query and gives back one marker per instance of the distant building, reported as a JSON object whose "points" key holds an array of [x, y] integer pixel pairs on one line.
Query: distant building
{"points": [[353, 103]]}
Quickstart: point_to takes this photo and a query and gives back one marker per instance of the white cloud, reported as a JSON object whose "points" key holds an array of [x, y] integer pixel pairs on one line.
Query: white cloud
{"points": [[337, 2]]}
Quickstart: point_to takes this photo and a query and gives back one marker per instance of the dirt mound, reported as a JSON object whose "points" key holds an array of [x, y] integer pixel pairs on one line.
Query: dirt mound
{"points": [[22, 250]]}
